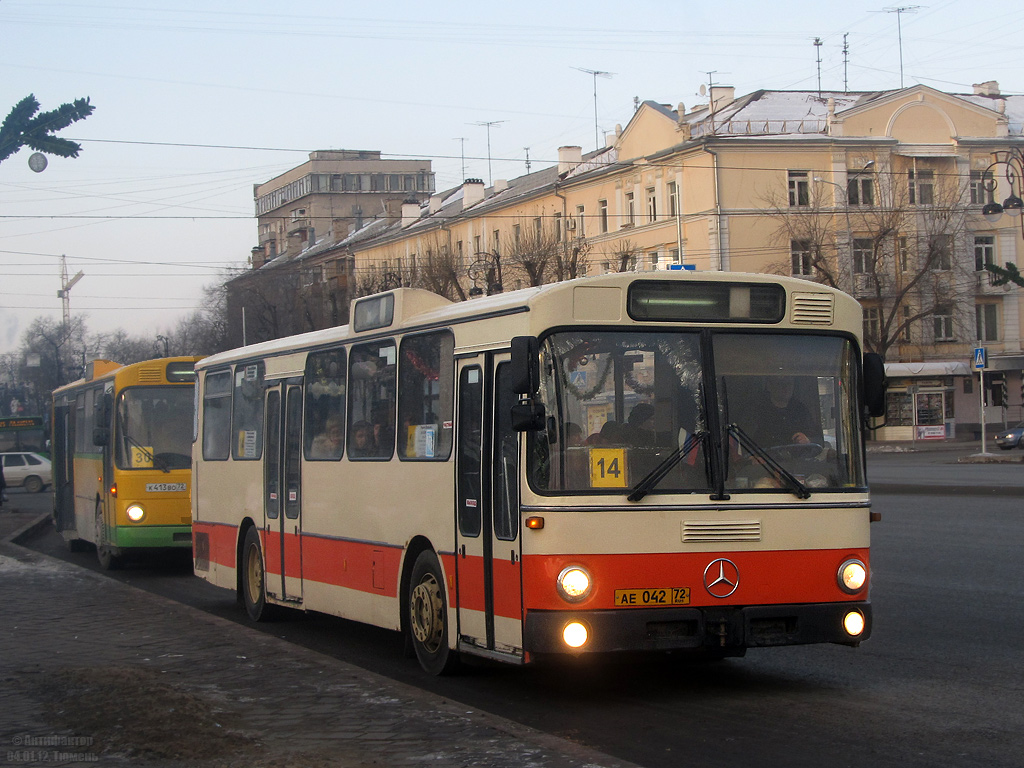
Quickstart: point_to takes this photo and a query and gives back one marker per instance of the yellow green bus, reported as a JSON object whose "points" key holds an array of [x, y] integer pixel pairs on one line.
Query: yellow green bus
{"points": [[122, 458]]}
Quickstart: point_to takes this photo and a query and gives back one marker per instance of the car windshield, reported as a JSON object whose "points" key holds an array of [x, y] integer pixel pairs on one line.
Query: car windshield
{"points": [[154, 428], [637, 413]]}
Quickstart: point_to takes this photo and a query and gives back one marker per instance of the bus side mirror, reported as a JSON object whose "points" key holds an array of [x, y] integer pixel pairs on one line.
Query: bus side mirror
{"points": [[100, 436], [525, 372], [874, 384], [528, 417]]}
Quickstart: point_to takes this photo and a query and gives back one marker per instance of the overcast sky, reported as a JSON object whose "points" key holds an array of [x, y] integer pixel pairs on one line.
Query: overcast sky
{"points": [[196, 102]]}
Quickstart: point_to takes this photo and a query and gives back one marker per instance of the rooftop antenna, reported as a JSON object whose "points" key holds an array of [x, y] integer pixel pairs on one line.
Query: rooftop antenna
{"points": [[462, 141], [595, 73], [527, 159], [707, 90], [817, 53], [488, 125], [65, 290], [899, 11], [846, 62]]}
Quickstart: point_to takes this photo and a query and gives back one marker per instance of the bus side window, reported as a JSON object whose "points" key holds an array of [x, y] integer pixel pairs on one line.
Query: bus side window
{"points": [[324, 431], [425, 396], [217, 415], [371, 392]]}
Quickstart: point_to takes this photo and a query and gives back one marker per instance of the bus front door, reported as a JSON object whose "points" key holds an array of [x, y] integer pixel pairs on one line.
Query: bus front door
{"points": [[488, 552], [282, 493]]}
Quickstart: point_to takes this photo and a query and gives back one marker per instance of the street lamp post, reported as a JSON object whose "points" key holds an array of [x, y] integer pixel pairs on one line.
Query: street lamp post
{"points": [[1012, 162]]}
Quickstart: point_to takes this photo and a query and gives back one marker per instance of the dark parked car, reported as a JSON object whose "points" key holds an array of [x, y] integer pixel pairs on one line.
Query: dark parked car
{"points": [[1011, 438]]}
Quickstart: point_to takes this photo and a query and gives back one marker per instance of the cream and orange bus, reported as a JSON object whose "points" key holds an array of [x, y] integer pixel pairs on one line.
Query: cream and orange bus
{"points": [[122, 458], [663, 461]]}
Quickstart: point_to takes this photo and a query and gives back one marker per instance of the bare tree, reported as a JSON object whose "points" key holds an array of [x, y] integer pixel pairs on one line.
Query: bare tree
{"points": [[532, 250], [902, 252], [625, 253], [440, 270]]}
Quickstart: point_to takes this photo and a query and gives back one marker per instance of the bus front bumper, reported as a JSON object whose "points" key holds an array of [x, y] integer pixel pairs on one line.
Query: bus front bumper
{"points": [[153, 537], [708, 628]]}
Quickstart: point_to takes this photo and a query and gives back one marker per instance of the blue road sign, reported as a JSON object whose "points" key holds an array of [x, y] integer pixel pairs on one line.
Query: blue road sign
{"points": [[980, 359]]}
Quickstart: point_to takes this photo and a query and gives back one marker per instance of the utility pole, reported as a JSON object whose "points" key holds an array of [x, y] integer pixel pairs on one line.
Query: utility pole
{"points": [[846, 62], [817, 53], [595, 73], [899, 11], [487, 125], [65, 289]]}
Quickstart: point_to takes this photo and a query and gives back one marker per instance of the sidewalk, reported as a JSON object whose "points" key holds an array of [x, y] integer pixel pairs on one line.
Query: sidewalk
{"points": [[95, 671]]}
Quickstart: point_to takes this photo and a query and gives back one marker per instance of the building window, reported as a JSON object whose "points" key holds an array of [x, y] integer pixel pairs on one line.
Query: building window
{"points": [[602, 214], [653, 255], [984, 251], [496, 242], [863, 255], [558, 227], [800, 251], [580, 220], [538, 228], [921, 186], [940, 252], [908, 324], [872, 323], [673, 199], [942, 320], [982, 188], [860, 189], [987, 320], [652, 205], [902, 253], [630, 209], [515, 234], [799, 188]]}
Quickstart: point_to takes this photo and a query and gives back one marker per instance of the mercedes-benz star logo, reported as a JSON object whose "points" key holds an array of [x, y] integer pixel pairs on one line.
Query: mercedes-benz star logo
{"points": [[721, 577]]}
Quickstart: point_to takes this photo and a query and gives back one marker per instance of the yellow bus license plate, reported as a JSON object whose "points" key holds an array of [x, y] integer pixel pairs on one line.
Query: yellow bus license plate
{"points": [[630, 598]]}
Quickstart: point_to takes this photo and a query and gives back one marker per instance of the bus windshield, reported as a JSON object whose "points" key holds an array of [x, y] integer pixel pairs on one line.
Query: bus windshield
{"points": [[628, 412], [154, 428]]}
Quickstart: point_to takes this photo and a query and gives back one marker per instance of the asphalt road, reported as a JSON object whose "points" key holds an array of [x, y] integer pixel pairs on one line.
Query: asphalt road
{"points": [[938, 684]]}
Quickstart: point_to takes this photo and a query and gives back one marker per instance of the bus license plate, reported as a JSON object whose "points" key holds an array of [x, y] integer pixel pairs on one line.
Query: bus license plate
{"points": [[630, 598]]}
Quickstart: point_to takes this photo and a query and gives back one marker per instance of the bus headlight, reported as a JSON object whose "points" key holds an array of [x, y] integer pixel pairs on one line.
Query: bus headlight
{"points": [[135, 513], [575, 634], [573, 584], [853, 623], [852, 576]]}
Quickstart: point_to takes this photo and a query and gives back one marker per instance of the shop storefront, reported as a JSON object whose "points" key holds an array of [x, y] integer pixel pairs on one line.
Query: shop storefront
{"points": [[921, 400]]}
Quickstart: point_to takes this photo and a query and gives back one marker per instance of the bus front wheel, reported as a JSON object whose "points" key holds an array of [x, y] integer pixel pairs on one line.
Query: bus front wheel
{"points": [[104, 553], [428, 616], [254, 577]]}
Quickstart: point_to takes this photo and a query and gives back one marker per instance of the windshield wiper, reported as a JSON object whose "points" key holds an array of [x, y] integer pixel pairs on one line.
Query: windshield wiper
{"points": [[159, 463], [657, 474], [780, 472]]}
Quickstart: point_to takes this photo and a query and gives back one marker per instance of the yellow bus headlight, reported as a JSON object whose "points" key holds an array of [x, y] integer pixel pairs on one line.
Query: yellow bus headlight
{"points": [[573, 584], [135, 513], [853, 623]]}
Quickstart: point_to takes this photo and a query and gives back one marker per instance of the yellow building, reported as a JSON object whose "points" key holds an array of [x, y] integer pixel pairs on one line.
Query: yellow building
{"points": [[879, 194]]}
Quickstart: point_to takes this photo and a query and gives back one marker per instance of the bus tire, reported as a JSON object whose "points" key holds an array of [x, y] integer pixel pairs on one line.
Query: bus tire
{"points": [[254, 578], [108, 560], [428, 616]]}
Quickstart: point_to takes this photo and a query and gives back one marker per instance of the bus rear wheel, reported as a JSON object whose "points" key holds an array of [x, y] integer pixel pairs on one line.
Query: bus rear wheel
{"points": [[428, 616], [254, 577]]}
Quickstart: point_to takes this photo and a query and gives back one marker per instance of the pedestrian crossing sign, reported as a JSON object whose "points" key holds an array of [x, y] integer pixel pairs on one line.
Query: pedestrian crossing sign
{"points": [[980, 359]]}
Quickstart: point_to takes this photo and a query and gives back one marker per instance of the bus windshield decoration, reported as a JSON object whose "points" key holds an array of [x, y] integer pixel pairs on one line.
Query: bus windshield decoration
{"points": [[709, 302], [535, 474]]}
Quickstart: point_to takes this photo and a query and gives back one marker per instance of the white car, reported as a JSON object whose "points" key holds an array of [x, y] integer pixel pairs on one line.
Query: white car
{"points": [[27, 470]]}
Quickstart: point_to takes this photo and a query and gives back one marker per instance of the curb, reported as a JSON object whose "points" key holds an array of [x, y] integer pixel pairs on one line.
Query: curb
{"points": [[399, 690]]}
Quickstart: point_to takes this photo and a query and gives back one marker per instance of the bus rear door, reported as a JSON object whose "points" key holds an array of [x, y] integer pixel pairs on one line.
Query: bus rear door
{"points": [[282, 492]]}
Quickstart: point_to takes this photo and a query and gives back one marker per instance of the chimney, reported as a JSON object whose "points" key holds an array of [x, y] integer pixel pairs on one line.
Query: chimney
{"points": [[500, 185], [410, 212], [258, 257], [722, 96], [472, 192], [988, 88], [568, 159], [435, 204]]}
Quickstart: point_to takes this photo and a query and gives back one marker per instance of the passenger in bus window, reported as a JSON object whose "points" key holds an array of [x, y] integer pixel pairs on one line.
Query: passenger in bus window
{"points": [[328, 444], [362, 444], [785, 418]]}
